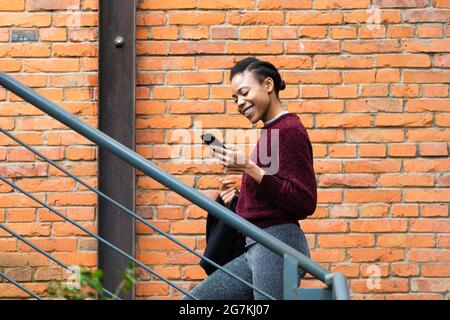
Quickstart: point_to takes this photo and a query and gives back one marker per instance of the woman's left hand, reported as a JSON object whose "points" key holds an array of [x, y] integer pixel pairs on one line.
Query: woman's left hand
{"points": [[232, 158]]}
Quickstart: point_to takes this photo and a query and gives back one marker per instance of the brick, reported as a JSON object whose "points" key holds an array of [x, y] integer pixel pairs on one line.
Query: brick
{"points": [[75, 50], [426, 16], [75, 19], [368, 32], [188, 227], [434, 91], [342, 62], [403, 60], [163, 244], [406, 180], [327, 226], [379, 225], [346, 181], [196, 213], [273, 47], [82, 259], [25, 20], [283, 4], [420, 195], [432, 210], [44, 5], [343, 32], [406, 241], [405, 90], [350, 271], [341, 151], [345, 241], [142, 229], [374, 210], [53, 34], [309, 32], [375, 255], [283, 33], [341, 4], [150, 19], [256, 18], [372, 166], [223, 32], [83, 35], [51, 65], [435, 45], [436, 270], [161, 5], [312, 18], [170, 213], [313, 46], [370, 46], [51, 245], [12, 5], [24, 50], [327, 255], [152, 289], [429, 32], [405, 269], [10, 65], [21, 215], [386, 286], [404, 210], [429, 255], [361, 16], [372, 150], [196, 18], [195, 106], [430, 225], [401, 31], [402, 150], [19, 274], [49, 273], [253, 33], [401, 4], [433, 149], [375, 105], [430, 285]]}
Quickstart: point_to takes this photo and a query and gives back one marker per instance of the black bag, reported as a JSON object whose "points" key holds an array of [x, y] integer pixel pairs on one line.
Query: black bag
{"points": [[223, 243]]}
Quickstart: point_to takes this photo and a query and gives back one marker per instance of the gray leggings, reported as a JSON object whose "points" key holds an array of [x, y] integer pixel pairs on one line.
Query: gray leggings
{"points": [[257, 265]]}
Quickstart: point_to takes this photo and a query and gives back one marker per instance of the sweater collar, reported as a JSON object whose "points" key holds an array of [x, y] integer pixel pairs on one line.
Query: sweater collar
{"points": [[275, 119]]}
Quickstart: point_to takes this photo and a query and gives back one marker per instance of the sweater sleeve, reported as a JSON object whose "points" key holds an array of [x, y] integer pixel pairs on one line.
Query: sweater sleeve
{"points": [[293, 188]]}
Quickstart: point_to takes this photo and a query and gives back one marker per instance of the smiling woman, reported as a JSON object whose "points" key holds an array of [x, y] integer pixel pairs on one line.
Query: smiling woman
{"points": [[252, 83], [272, 197]]}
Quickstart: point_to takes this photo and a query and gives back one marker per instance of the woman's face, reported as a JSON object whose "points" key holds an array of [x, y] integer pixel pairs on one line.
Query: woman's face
{"points": [[252, 97]]}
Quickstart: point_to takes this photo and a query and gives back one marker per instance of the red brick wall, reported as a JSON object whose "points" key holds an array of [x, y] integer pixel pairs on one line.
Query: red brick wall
{"points": [[59, 62], [374, 99]]}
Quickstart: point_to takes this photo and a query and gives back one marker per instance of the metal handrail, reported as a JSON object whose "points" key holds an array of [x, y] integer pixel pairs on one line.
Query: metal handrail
{"points": [[131, 213], [181, 188]]}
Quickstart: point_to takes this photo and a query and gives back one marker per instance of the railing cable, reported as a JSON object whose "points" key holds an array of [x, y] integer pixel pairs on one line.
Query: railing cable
{"points": [[62, 264], [107, 243]]}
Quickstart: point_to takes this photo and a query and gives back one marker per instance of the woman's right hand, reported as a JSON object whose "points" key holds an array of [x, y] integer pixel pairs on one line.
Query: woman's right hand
{"points": [[227, 191]]}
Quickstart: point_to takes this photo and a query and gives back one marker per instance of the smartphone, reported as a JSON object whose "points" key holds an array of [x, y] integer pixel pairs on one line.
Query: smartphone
{"points": [[210, 139]]}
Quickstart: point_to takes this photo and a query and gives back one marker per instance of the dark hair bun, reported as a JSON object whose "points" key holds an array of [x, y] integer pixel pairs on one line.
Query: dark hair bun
{"points": [[283, 85]]}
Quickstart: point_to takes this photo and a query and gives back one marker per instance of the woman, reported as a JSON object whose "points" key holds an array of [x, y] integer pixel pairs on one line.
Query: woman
{"points": [[273, 200]]}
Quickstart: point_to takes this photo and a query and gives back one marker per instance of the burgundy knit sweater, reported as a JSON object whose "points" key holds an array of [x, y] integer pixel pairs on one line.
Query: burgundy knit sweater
{"points": [[288, 190]]}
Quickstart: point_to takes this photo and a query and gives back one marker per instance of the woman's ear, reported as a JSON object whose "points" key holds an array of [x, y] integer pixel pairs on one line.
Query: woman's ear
{"points": [[269, 84]]}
